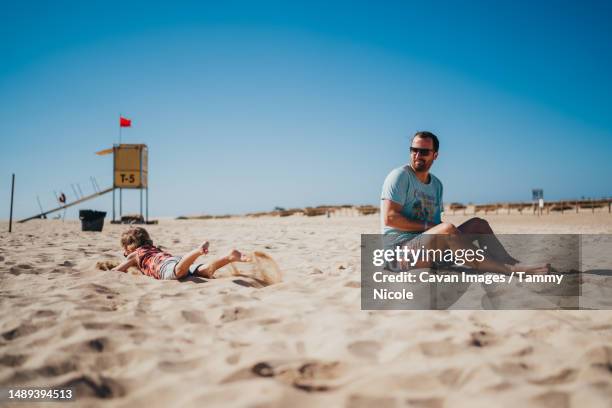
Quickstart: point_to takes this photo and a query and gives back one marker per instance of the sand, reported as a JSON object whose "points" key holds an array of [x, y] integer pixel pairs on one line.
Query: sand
{"points": [[125, 340]]}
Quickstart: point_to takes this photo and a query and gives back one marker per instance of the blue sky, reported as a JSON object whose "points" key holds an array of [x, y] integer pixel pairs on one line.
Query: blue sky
{"points": [[250, 105]]}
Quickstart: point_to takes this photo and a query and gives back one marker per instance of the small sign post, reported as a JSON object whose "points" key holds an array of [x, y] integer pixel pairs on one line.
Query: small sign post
{"points": [[537, 195]]}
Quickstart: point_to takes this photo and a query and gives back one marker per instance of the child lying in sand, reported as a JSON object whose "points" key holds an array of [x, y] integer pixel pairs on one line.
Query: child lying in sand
{"points": [[152, 261]]}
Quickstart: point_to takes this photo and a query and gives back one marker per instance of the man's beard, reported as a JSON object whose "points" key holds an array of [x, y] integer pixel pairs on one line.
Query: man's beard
{"points": [[421, 165]]}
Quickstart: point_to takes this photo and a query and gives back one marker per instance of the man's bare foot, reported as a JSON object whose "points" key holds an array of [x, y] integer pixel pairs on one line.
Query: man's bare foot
{"points": [[532, 269], [237, 256]]}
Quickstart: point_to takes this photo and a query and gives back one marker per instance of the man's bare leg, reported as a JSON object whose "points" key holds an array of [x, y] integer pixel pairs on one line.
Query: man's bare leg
{"points": [[208, 270], [486, 237], [447, 236]]}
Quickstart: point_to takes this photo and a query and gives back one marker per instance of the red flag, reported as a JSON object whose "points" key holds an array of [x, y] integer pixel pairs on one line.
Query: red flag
{"points": [[124, 122]]}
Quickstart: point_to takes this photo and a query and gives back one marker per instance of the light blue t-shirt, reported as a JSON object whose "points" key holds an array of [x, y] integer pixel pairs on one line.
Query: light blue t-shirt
{"points": [[419, 201]]}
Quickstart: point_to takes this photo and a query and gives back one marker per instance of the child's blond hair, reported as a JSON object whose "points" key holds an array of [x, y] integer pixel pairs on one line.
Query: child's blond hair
{"points": [[135, 237]]}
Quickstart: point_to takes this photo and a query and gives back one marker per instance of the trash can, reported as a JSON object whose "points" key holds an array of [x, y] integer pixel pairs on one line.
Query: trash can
{"points": [[92, 220]]}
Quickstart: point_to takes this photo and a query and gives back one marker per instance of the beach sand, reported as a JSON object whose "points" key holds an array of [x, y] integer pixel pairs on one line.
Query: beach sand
{"points": [[125, 340]]}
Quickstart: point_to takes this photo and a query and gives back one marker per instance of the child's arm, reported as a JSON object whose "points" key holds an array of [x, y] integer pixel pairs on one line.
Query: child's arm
{"points": [[131, 260]]}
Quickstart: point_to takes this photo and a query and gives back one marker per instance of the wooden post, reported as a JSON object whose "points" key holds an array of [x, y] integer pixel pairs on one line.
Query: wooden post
{"points": [[576, 207], [12, 194], [592, 206]]}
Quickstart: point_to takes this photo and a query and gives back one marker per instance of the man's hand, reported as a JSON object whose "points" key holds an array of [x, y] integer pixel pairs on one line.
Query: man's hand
{"points": [[393, 217], [204, 247]]}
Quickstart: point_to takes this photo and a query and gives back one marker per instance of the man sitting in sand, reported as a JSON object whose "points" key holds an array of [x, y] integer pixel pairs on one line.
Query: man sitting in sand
{"points": [[411, 210], [152, 261]]}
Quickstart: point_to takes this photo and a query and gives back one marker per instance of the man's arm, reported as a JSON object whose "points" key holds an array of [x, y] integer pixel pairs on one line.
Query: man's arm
{"points": [[393, 217], [130, 261]]}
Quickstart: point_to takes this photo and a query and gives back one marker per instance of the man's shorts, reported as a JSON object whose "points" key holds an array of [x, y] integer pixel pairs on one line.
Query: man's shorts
{"points": [[166, 269], [420, 241]]}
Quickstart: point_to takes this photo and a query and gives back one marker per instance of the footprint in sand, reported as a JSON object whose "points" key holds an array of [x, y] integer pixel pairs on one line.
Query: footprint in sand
{"points": [[193, 316], [450, 377], [98, 305], [482, 338], [47, 370], [442, 348], [235, 313], [425, 402], [108, 326], [566, 375], [143, 307], [511, 368], [44, 313], [95, 345], [98, 344], [366, 349], [522, 352], [178, 366], [22, 330], [552, 399], [600, 358], [233, 359], [23, 268], [98, 289], [366, 401], [85, 386], [309, 376], [12, 360]]}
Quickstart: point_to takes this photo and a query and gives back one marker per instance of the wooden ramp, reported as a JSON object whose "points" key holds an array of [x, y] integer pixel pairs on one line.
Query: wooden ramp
{"points": [[80, 200]]}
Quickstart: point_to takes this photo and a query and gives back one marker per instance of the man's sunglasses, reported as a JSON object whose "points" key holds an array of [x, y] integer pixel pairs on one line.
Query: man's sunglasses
{"points": [[424, 152]]}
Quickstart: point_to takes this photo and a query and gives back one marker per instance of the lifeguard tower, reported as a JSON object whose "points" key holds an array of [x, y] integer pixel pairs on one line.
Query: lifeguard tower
{"points": [[130, 171]]}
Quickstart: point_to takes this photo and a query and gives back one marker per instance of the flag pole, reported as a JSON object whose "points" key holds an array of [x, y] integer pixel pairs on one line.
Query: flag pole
{"points": [[119, 127]]}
